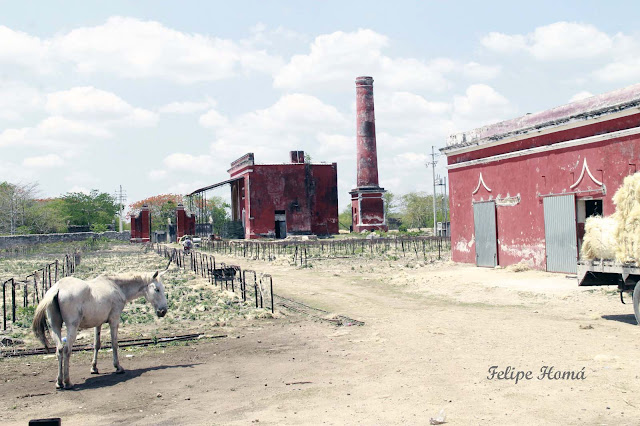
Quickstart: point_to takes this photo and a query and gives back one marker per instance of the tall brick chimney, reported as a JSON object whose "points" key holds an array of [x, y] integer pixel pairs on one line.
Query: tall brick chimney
{"points": [[367, 204]]}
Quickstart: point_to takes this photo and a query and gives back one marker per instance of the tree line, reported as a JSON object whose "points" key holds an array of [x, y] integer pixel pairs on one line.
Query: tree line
{"points": [[407, 211], [23, 212]]}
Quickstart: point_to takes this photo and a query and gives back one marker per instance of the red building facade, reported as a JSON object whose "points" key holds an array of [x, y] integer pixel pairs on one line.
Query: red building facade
{"points": [[274, 200], [521, 190]]}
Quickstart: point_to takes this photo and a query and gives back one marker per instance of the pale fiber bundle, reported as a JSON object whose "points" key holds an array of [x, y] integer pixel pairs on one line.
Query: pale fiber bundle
{"points": [[627, 233], [599, 238]]}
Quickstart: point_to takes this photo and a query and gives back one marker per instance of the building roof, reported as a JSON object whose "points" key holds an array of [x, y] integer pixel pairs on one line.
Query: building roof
{"points": [[215, 185], [623, 101]]}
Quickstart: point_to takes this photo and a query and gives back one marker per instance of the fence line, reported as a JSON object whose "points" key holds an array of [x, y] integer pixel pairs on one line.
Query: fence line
{"points": [[39, 281], [425, 248], [227, 276]]}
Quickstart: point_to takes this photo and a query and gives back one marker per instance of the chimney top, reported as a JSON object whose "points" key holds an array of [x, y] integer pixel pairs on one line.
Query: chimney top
{"points": [[297, 157], [364, 81]]}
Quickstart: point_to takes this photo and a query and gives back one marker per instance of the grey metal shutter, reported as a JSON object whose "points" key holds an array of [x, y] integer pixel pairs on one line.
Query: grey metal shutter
{"points": [[484, 220], [560, 233]]}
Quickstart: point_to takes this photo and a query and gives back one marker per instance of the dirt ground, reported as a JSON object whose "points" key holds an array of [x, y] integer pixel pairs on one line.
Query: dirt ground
{"points": [[432, 332]]}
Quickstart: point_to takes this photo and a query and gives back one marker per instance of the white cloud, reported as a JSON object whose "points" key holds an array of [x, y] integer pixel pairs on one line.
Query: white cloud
{"points": [[479, 99], [623, 69], [157, 174], [91, 103], [57, 126], [187, 107], [43, 162], [557, 41], [504, 43], [186, 187], [580, 95], [132, 48], [478, 71], [22, 49], [16, 99], [12, 137], [212, 119], [480, 105], [336, 59], [202, 164]]}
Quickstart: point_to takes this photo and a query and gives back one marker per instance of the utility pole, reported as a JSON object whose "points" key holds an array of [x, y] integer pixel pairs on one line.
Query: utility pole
{"points": [[120, 196], [433, 163]]}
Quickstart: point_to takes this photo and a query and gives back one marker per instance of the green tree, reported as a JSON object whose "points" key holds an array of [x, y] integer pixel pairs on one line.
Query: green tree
{"points": [[345, 219], [95, 208], [214, 210], [416, 210]]}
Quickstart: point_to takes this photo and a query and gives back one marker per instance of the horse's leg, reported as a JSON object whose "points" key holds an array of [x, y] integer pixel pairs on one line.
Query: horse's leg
{"points": [[56, 334], [96, 348], [114, 345], [72, 331]]}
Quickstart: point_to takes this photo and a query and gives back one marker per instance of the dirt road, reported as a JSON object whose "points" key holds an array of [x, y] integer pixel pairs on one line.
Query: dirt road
{"points": [[431, 335]]}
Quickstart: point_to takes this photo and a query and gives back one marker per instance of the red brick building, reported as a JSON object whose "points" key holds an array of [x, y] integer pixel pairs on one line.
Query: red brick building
{"points": [[274, 200], [523, 188]]}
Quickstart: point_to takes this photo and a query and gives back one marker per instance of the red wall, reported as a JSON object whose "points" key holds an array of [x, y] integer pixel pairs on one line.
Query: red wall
{"points": [[306, 192], [520, 228], [141, 226]]}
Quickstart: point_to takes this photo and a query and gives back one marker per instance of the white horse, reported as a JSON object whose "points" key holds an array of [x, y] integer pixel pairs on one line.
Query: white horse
{"points": [[84, 304]]}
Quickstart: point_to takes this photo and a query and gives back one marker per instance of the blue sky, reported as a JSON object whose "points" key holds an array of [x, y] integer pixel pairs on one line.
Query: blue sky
{"points": [[160, 96]]}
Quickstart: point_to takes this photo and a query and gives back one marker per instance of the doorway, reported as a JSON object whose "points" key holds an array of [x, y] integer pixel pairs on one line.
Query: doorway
{"points": [[281, 224]]}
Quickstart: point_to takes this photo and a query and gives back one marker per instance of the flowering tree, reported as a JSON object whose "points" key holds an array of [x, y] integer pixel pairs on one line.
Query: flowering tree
{"points": [[162, 208]]}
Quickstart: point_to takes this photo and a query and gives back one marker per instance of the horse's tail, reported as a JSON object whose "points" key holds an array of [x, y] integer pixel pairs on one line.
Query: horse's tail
{"points": [[39, 325]]}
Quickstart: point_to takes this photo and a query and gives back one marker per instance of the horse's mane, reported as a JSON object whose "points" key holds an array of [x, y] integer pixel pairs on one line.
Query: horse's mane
{"points": [[130, 278]]}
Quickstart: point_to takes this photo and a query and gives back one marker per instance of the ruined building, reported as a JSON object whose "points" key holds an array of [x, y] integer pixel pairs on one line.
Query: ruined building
{"points": [[275, 200]]}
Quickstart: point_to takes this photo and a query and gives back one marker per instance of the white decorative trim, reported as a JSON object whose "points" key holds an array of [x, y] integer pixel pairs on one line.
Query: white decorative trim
{"points": [[560, 145], [480, 182], [585, 167]]}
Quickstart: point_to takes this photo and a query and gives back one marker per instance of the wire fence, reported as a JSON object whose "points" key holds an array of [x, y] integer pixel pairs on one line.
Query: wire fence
{"points": [[250, 284], [27, 292], [300, 252]]}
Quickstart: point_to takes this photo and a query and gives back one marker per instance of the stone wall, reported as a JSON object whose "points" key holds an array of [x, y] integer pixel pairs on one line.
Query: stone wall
{"points": [[8, 241]]}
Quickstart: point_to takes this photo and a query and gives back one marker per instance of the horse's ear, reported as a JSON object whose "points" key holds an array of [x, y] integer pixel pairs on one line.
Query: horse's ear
{"points": [[155, 276]]}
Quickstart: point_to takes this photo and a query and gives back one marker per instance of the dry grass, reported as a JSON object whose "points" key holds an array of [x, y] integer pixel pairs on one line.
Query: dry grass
{"points": [[194, 304], [600, 238]]}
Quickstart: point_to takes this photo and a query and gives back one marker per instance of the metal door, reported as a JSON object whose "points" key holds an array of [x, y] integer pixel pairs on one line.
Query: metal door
{"points": [[560, 233], [484, 220]]}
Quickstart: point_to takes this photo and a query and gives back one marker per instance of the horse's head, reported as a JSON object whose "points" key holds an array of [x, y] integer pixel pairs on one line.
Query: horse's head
{"points": [[155, 294]]}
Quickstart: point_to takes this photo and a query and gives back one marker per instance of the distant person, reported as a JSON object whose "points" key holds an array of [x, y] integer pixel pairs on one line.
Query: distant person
{"points": [[187, 244]]}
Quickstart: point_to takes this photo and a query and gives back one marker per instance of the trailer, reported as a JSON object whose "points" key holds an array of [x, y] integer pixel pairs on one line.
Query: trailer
{"points": [[608, 272]]}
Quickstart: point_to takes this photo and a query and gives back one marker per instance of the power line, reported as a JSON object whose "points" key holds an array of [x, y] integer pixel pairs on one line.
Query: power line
{"points": [[433, 163], [121, 197]]}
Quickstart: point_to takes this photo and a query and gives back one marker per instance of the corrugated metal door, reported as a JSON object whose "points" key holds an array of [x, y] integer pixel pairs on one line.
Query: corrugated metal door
{"points": [[484, 220], [560, 233]]}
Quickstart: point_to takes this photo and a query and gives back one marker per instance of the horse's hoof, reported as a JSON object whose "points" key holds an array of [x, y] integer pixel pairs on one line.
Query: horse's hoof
{"points": [[59, 386], [94, 371], [68, 386], [120, 371]]}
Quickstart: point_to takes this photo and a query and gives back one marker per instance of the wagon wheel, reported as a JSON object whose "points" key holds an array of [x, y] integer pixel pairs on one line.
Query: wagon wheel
{"points": [[636, 303]]}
